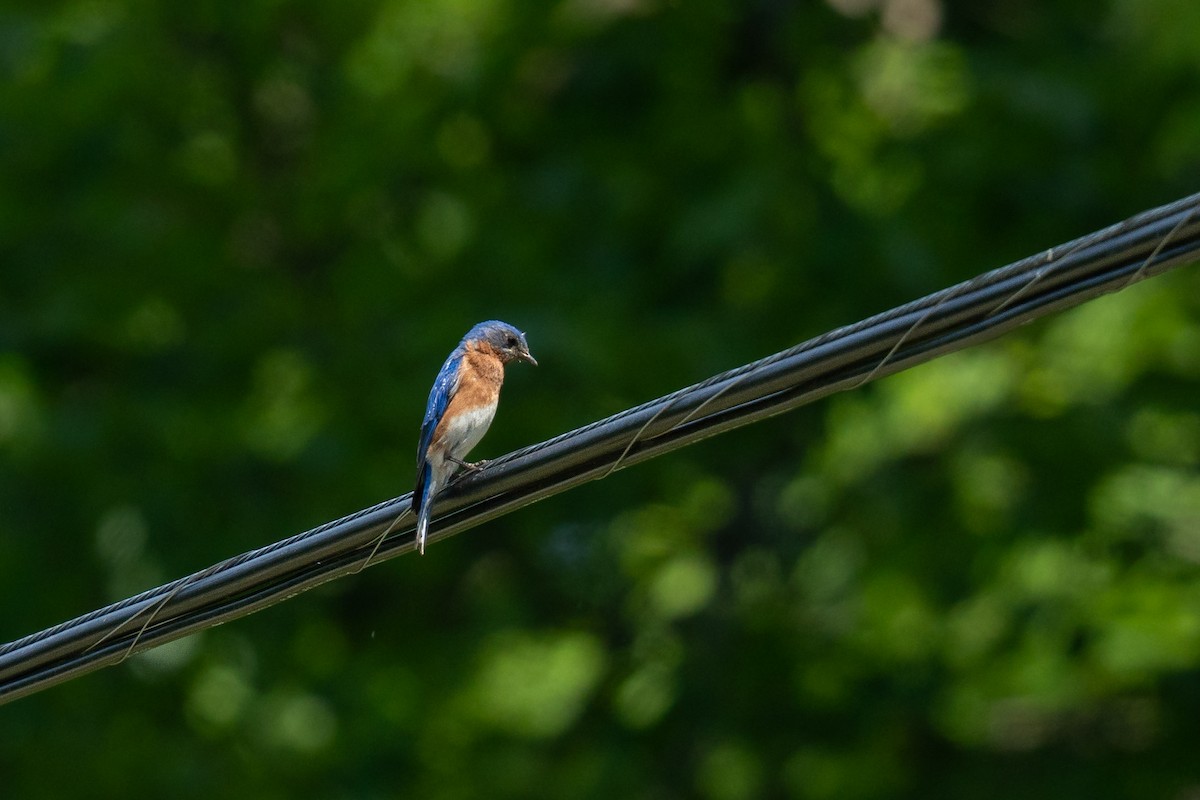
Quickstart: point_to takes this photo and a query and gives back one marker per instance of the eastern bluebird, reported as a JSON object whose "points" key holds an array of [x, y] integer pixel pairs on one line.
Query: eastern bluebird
{"points": [[460, 409]]}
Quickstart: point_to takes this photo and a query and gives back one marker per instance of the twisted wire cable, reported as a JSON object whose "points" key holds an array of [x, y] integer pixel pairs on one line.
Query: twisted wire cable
{"points": [[962, 315]]}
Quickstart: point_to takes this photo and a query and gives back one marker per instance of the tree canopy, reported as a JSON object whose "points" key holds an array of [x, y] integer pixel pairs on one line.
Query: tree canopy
{"points": [[238, 240]]}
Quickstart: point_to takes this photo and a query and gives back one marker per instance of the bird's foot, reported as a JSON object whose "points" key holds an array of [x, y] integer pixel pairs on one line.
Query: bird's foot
{"points": [[469, 466]]}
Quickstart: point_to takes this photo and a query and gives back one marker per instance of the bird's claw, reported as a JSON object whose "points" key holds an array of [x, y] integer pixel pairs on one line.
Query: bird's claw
{"points": [[469, 468]]}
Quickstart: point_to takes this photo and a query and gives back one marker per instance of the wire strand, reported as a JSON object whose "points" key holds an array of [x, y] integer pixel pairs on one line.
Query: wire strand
{"points": [[846, 358]]}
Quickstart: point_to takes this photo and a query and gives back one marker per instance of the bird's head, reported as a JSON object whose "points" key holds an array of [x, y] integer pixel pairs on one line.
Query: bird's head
{"points": [[507, 342]]}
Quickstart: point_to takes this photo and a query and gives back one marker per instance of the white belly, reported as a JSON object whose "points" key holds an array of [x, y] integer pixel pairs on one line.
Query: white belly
{"points": [[466, 429]]}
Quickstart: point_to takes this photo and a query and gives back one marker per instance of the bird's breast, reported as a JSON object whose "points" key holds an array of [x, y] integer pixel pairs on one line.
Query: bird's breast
{"points": [[471, 409]]}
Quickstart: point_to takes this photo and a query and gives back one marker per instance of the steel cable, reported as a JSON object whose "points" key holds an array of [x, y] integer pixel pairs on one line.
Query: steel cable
{"points": [[954, 318]]}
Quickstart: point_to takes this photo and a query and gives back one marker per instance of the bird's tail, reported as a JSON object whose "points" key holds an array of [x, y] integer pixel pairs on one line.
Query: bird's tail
{"points": [[426, 489]]}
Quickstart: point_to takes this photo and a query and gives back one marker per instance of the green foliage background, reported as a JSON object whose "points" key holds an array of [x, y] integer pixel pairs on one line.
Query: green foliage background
{"points": [[238, 239]]}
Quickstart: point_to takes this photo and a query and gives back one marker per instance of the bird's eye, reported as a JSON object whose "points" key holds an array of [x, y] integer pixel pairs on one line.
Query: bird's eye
{"points": [[512, 341]]}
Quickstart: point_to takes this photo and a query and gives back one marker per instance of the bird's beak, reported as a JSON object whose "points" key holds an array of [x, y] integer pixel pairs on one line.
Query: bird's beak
{"points": [[525, 355]]}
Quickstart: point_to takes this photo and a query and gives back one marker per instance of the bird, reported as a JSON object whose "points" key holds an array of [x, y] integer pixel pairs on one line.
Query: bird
{"points": [[461, 406]]}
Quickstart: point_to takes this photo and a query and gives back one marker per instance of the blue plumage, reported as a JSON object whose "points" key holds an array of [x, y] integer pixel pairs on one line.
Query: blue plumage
{"points": [[461, 405], [439, 397]]}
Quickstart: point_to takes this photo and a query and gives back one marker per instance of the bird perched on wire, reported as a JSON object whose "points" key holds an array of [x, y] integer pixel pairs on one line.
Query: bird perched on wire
{"points": [[461, 406]]}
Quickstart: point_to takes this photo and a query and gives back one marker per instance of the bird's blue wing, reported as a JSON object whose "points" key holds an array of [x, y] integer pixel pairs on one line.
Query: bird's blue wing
{"points": [[443, 389]]}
